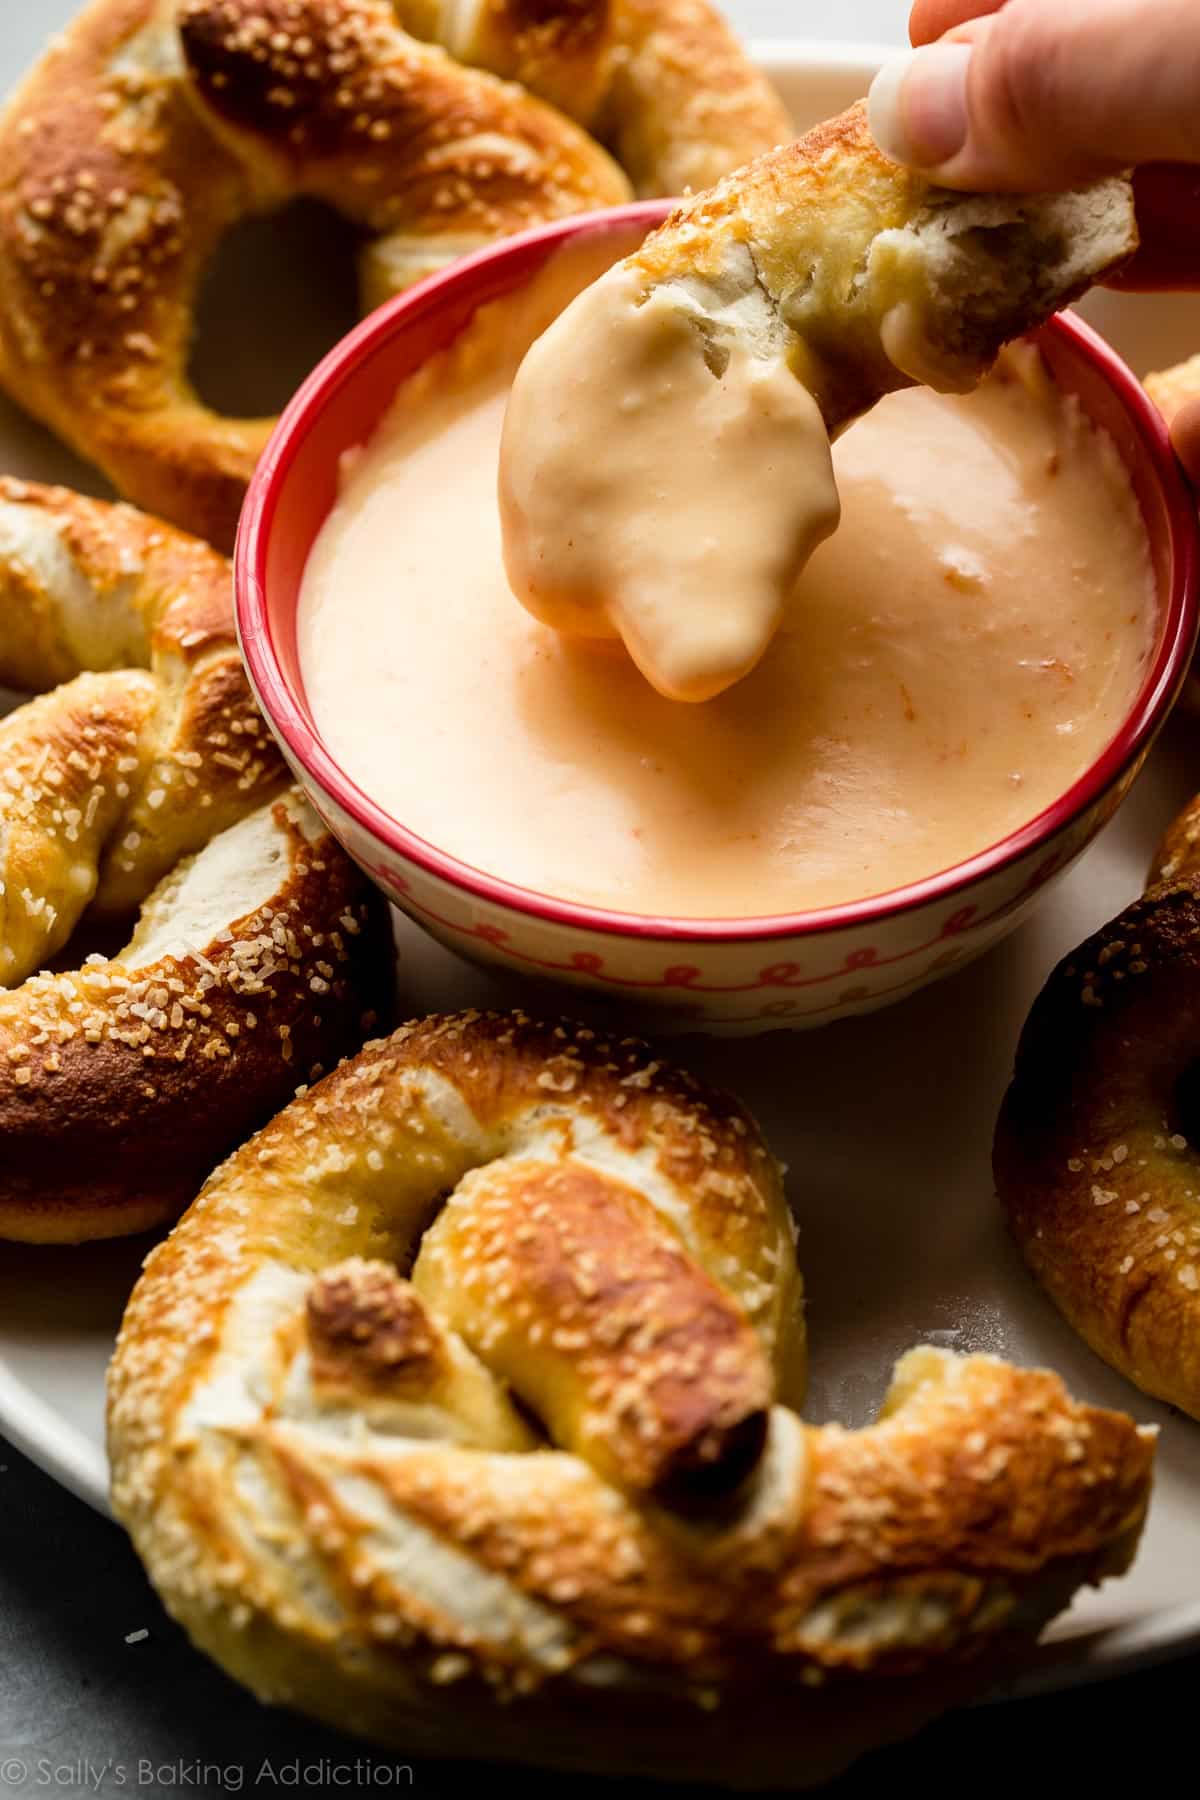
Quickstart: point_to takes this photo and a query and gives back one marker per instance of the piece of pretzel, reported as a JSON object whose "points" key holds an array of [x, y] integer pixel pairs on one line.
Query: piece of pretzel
{"points": [[152, 126], [1172, 389], [123, 1083], [825, 260], [471, 1377], [868, 277], [1095, 1157]]}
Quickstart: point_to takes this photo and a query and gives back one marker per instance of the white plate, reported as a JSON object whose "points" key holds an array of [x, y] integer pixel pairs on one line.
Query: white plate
{"points": [[885, 1123]]}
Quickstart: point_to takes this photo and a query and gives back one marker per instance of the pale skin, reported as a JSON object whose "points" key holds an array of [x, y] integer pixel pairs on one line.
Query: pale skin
{"points": [[1038, 94]]}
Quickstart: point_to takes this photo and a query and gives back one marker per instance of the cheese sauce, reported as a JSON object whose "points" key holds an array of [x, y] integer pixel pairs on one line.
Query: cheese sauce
{"points": [[955, 656], [682, 530]]}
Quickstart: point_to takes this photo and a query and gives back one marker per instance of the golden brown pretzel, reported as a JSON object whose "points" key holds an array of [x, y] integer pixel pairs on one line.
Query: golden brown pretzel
{"points": [[664, 83], [1172, 389], [1096, 1164], [151, 126], [557, 1460], [123, 1082]]}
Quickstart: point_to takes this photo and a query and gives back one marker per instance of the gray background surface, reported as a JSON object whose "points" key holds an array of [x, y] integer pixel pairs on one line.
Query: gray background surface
{"points": [[83, 1711]]}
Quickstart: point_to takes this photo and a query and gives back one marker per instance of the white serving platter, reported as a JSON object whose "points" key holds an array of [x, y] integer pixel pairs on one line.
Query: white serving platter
{"points": [[885, 1122]]}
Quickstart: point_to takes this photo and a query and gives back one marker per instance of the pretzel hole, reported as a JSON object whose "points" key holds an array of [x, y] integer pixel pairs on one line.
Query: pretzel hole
{"points": [[279, 292], [697, 1486], [1186, 1110], [93, 936]]}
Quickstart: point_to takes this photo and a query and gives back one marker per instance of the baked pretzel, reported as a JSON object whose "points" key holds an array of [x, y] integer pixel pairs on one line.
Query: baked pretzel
{"points": [[152, 126], [122, 1083], [475, 1370], [1094, 1155], [1172, 389], [664, 83]]}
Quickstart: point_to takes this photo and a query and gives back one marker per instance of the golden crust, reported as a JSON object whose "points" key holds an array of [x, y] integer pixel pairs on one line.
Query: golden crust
{"points": [[112, 777], [357, 1572], [625, 1318], [664, 83], [1173, 389], [1093, 1159], [685, 105], [873, 276], [122, 1083], [1179, 852]]}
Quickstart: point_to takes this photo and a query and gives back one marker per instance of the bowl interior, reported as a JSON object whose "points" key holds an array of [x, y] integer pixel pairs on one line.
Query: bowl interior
{"points": [[345, 399]]}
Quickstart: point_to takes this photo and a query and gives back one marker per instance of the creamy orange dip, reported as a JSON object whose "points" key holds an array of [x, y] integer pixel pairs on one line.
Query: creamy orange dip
{"points": [[684, 530], [952, 660]]}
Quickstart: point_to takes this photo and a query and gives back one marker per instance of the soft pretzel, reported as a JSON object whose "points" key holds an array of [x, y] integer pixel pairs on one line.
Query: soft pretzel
{"points": [[123, 1082], [472, 1376], [152, 126], [1094, 1156], [663, 82], [1172, 389]]}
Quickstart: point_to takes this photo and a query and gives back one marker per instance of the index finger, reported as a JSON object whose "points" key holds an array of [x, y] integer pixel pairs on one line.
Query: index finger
{"points": [[930, 18]]}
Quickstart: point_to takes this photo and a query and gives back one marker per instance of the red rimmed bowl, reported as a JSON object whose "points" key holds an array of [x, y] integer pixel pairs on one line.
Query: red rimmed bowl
{"points": [[746, 974]]}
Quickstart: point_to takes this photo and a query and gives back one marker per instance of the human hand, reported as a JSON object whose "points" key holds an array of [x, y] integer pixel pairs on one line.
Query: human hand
{"points": [[1037, 94], [1040, 94]]}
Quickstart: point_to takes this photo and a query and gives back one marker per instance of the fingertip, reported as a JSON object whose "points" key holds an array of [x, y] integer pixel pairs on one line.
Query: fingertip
{"points": [[885, 109], [917, 105]]}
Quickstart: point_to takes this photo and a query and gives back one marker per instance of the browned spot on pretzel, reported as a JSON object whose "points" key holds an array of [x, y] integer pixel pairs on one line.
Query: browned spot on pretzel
{"points": [[366, 1326], [570, 1285]]}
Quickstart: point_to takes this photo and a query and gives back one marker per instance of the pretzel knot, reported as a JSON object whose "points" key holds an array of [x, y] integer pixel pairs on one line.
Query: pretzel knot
{"points": [[493, 1381], [1097, 1151], [151, 127], [156, 787]]}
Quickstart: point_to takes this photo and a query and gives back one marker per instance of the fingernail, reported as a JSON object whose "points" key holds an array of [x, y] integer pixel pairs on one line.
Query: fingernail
{"points": [[917, 106]]}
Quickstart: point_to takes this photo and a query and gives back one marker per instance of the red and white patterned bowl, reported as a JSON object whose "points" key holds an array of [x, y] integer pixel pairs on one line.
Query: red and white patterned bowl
{"points": [[714, 974]]}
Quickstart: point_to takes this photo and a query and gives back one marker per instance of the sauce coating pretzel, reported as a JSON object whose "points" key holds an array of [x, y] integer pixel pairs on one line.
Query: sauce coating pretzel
{"points": [[1095, 1155], [475, 1370], [154, 786], [151, 127]]}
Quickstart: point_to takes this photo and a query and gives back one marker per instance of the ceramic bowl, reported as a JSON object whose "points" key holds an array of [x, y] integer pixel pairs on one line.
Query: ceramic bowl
{"points": [[797, 970]]}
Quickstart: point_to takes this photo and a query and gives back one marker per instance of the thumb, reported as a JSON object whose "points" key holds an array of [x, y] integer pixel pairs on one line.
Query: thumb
{"points": [[1036, 97]]}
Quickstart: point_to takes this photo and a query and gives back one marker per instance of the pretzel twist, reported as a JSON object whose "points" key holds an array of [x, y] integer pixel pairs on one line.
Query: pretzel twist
{"points": [[558, 1458], [123, 1082], [151, 127], [1096, 1154]]}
